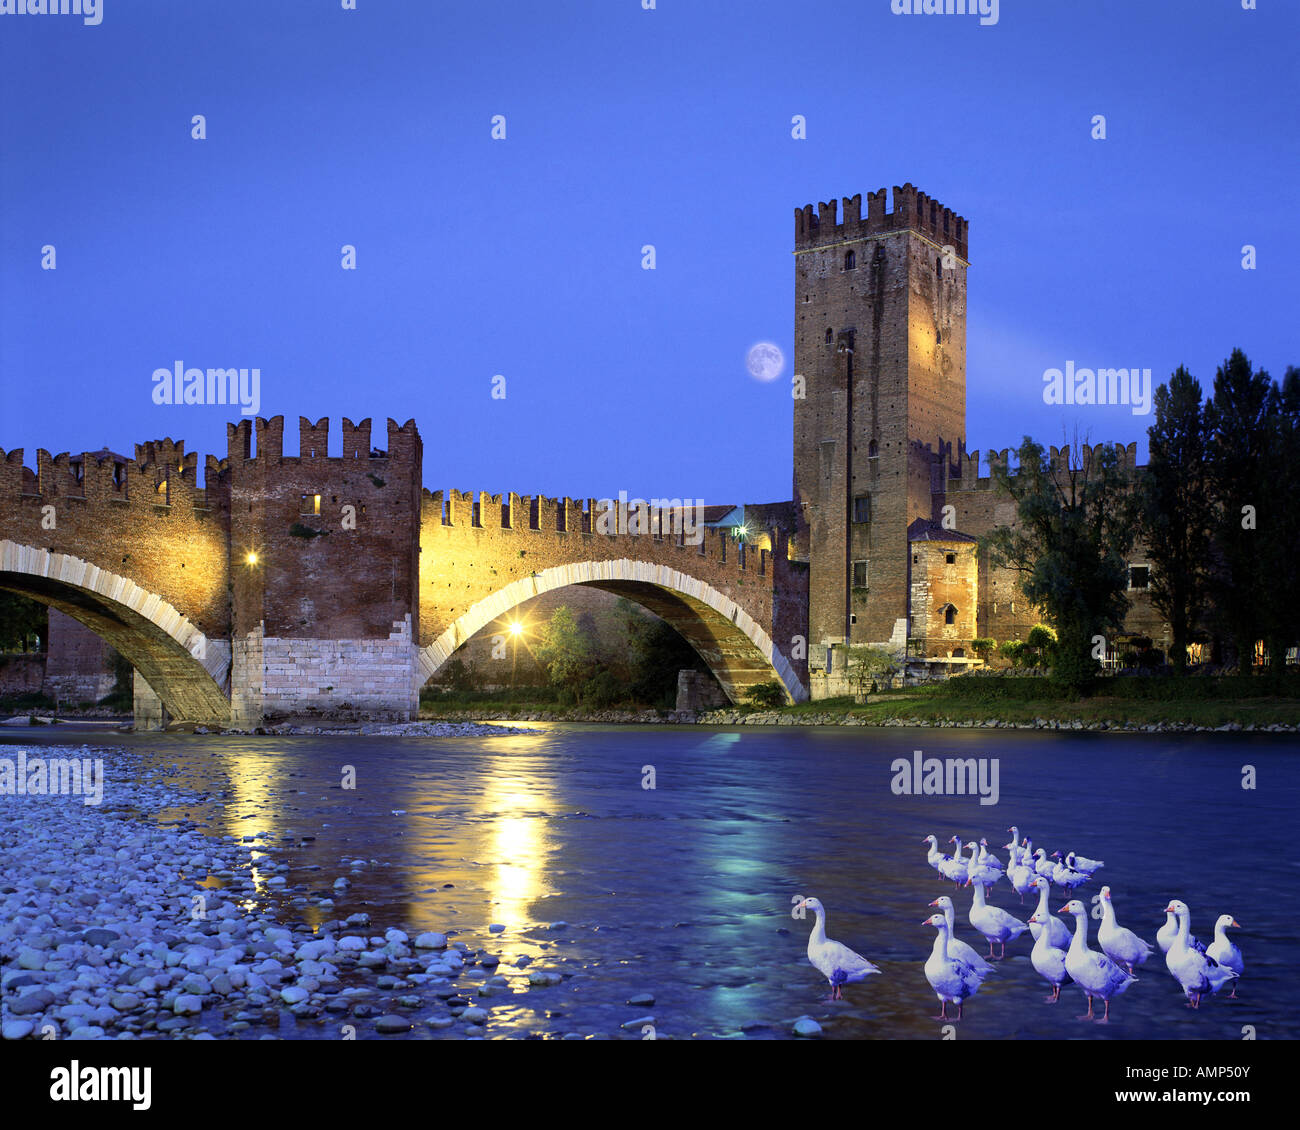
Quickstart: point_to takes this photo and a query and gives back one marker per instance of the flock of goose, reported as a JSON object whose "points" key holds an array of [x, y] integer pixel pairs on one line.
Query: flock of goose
{"points": [[956, 971]]}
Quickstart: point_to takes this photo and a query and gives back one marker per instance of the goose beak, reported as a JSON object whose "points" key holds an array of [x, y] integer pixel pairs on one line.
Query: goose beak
{"points": [[1237, 924], [1170, 910], [936, 903], [1063, 909]]}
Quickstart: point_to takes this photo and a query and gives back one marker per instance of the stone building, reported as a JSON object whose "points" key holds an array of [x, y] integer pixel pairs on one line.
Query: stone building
{"points": [[889, 505]]}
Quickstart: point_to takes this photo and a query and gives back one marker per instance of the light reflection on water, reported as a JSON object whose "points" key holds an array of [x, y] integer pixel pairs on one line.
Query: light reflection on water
{"points": [[684, 891]]}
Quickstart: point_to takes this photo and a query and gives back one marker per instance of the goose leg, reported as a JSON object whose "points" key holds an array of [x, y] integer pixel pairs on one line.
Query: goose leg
{"points": [[1088, 1015], [1106, 1017], [1003, 954], [943, 1010]]}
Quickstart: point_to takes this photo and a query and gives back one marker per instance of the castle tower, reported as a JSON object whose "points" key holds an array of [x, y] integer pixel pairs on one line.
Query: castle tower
{"points": [[880, 340]]}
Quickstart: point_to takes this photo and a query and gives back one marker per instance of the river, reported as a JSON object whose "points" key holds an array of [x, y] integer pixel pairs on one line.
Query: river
{"points": [[684, 891]]}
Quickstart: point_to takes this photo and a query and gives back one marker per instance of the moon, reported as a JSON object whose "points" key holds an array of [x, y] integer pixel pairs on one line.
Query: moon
{"points": [[765, 361]]}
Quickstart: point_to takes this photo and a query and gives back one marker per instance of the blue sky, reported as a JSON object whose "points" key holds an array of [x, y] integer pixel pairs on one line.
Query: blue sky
{"points": [[624, 127]]}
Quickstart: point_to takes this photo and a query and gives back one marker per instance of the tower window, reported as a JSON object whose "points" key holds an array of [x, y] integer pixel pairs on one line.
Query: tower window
{"points": [[830, 336], [873, 449], [938, 266], [310, 504], [938, 337], [859, 574], [862, 508], [949, 614], [850, 261], [950, 558], [1139, 576]]}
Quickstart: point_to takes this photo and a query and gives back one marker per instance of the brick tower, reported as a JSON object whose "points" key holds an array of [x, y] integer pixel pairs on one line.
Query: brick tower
{"points": [[880, 340]]}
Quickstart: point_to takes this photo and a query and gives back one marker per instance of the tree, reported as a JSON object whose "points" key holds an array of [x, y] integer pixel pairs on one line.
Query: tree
{"points": [[983, 647], [1280, 523], [567, 652], [864, 665], [1177, 509], [1070, 545], [23, 623], [1238, 459]]}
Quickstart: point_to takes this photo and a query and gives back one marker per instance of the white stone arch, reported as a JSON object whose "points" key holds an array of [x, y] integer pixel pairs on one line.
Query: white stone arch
{"points": [[717, 611], [186, 669]]}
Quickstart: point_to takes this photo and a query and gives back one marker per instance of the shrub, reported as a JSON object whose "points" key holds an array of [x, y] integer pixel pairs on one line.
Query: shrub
{"points": [[766, 696]]}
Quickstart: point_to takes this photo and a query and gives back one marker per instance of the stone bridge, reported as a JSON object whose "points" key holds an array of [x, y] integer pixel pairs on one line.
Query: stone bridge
{"points": [[317, 585]]}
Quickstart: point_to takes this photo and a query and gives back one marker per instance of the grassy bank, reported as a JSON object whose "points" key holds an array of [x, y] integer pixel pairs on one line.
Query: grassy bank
{"points": [[1202, 702]]}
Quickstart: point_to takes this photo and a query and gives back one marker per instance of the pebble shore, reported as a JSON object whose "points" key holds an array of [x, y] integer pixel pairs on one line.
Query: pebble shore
{"points": [[116, 926]]}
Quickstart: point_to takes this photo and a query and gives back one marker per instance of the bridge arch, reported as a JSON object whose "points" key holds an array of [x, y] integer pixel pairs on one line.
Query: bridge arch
{"points": [[189, 672], [736, 648]]}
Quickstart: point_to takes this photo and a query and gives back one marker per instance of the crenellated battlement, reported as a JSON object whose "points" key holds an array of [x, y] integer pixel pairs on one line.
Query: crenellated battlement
{"points": [[460, 510], [263, 440], [913, 211], [161, 473], [964, 471]]}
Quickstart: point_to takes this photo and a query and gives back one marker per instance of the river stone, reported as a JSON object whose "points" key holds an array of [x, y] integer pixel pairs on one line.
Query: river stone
{"points": [[431, 941], [293, 994], [496, 928], [806, 1026], [641, 1000], [187, 1003], [391, 1023], [540, 977], [100, 937], [351, 943], [18, 1029], [31, 959], [474, 1015], [639, 1022], [35, 1001]]}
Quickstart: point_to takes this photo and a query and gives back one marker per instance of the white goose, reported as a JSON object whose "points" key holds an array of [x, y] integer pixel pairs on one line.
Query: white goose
{"points": [[1195, 970], [1048, 960], [1066, 877], [1058, 933], [837, 963], [993, 922], [1083, 863], [934, 856], [1169, 931], [956, 947], [1042, 864], [1223, 951], [1093, 972], [987, 857], [1118, 943], [1017, 852], [981, 873], [954, 869], [1022, 878], [952, 979]]}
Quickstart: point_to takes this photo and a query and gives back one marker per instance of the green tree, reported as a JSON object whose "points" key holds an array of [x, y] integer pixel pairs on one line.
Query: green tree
{"points": [[1176, 509], [23, 623], [864, 665], [1279, 530], [1070, 545], [1237, 418], [567, 651]]}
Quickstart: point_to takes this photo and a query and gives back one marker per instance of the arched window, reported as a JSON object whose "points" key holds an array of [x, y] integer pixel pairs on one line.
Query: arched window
{"points": [[850, 261], [938, 266], [873, 449], [949, 614], [829, 336]]}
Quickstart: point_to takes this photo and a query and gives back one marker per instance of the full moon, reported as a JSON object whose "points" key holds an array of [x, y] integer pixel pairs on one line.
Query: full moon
{"points": [[765, 361]]}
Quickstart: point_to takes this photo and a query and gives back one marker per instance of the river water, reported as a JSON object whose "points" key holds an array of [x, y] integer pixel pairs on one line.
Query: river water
{"points": [[684, 891]]}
